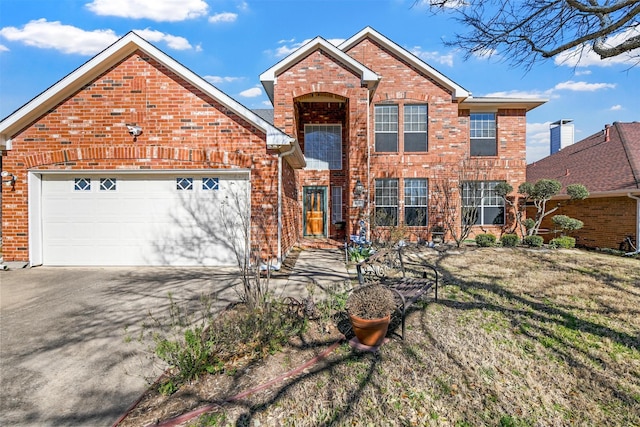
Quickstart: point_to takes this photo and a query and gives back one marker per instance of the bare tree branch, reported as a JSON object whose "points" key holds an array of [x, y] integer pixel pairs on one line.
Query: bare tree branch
{"points": [[528, 31]]}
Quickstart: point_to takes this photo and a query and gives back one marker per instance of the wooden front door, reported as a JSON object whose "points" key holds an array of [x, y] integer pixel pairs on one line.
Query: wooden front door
{"points": [[315, 211]]}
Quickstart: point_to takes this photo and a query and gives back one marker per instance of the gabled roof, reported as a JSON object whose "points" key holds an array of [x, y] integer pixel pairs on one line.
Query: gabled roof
{"points": [[458, 91], [605, 165], [111, 56], [269, 77]]}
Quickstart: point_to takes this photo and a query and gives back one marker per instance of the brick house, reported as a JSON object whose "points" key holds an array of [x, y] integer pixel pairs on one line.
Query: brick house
{"points": [[608, 164], [133, 159]]}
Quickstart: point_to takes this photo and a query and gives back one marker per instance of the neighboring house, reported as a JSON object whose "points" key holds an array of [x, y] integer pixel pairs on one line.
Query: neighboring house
{"points": [[608, 164], [378, 128]]}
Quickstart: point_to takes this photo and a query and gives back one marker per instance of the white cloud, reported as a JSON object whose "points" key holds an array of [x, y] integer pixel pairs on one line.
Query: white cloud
{"points": [[584, 58], [583, 72], [218, 79], [156, 10], [617, 107], [433, 56], [251, 93], [223, 17], [174, 42], [65, 38], [521, 94], [538, 140], [583, 86], [3, 48], [290, 46]]}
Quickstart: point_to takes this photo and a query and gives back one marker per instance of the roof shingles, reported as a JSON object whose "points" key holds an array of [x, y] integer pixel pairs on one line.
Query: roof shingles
{"points": [[600, 164]]}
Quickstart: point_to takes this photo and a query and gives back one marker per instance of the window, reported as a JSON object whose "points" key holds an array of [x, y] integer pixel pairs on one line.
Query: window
{"points": [[386, 199], [336, 204], [210, 184], [415, 202], [82, 184], [483, 134], [386, 128], [184, 183], [323, 146], [415, 128], [481, 204], [107, 184]]}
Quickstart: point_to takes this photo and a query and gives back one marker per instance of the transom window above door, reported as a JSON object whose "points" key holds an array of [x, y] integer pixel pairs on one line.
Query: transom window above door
{"points": [[323, 146]]}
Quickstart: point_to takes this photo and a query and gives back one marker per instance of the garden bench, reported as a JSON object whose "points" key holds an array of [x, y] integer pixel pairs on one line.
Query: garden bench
{"points": [[385, 266]]}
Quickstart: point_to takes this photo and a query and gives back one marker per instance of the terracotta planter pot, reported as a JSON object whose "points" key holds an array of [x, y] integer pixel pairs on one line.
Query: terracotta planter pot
{"points": [[370, 332]]}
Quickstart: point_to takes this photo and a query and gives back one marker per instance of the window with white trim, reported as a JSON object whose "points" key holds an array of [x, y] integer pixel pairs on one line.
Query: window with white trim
{"points": [[82, 184], [415, 202], [482, 130], [184, 183], [415, 128], [107, 184], [336, 204], [323, 146], [386, 128], [210, 184], [481, 204], [386, 200]]}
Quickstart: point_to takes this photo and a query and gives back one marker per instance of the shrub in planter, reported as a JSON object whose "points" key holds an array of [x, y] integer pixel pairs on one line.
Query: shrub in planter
{"points": [[369, 308], [510, 240], [565, 242], [534, 241], [485, 240]]}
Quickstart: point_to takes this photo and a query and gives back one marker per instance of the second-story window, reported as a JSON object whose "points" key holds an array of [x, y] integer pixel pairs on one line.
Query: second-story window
{"points": [[482, 130], [386, 128], [415, 128], [323, 146]]}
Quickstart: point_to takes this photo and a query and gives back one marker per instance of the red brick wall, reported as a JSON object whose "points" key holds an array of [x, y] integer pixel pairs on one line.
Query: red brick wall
{"points": [[607, 220], [182, 129]]}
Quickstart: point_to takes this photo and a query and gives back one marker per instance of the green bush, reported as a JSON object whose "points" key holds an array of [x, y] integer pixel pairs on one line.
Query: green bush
{"points": [[529, 223], [565, 242], [534, 241], [485, 240], [510, 240]]}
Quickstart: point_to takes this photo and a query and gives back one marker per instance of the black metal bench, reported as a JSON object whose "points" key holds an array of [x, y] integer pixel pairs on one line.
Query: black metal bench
{"points": [[385, 265]]}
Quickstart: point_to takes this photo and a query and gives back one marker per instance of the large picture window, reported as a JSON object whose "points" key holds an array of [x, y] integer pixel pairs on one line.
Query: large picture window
{"points": [[323, 146], [482, 130], [415, 202], [386, 199], [481, 205], [386, 128], [415, 128]]}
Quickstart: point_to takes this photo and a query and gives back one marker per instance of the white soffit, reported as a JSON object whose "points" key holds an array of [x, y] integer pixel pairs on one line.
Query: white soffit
{"points": [[491, 103], [109, 57]]}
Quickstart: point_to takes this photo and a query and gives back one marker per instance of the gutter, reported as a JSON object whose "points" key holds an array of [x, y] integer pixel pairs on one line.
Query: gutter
{"points": [[637, 223]]}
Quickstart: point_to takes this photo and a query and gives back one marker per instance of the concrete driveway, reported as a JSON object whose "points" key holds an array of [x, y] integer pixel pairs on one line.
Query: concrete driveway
{"points": [[64, 359]]}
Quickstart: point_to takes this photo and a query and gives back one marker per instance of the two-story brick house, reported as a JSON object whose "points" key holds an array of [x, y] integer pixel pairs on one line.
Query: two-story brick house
{"points": [[133, 159]]}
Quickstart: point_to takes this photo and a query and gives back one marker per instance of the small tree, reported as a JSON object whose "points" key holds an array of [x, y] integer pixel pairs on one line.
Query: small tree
{"points": [[541, 192]]}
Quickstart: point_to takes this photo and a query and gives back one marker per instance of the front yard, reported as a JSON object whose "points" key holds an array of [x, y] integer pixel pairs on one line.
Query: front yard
{"points": [[519, 337]]}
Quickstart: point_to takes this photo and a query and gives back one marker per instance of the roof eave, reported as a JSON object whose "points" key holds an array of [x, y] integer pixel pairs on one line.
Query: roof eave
{"points": [[496, 103], [459, 93], [109, 57]]}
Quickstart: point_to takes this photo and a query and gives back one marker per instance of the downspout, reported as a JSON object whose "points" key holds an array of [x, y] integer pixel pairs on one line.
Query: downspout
{"points": [[280, 157], [637, 221]]}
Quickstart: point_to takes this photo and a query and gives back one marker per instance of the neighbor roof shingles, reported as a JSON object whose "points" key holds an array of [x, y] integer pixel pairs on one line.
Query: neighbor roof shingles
{"points": [[598, 164]]}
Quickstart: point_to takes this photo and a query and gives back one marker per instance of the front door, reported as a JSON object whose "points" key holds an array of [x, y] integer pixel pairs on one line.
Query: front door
{"points": [[315, 211]]}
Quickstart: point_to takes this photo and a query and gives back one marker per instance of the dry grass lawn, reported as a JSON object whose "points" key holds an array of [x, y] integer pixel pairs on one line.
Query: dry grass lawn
{"points": [[518, 338]]}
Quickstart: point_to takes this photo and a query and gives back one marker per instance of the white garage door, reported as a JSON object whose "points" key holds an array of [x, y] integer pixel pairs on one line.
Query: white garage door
{"points": [[133, 219]]}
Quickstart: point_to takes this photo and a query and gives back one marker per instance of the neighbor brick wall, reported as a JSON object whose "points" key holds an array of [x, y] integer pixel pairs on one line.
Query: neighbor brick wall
{"points": [[607, 220], [182, 129]]}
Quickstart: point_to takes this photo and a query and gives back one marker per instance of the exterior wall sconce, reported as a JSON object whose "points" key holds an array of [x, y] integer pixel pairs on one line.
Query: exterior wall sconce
{"points": [[359, 189], [9, 179], [134, 130]]}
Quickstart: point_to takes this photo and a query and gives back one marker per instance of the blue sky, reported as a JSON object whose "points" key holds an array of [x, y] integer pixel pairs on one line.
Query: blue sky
{"points": [[231, 42]]}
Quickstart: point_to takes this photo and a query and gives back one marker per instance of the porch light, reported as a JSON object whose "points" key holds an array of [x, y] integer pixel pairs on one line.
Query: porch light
{"points": [[359, 189], [9, 179]]}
